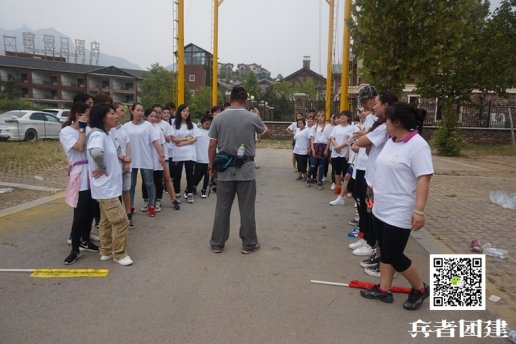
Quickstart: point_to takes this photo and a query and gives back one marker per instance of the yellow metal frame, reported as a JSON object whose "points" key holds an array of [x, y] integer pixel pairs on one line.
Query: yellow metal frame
{"points": [[330, 61], [344, 76], [180, 52]]}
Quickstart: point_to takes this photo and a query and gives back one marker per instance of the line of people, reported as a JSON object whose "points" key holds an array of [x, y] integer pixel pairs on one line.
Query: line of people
{"points": [[381, 159], [156, 142]]}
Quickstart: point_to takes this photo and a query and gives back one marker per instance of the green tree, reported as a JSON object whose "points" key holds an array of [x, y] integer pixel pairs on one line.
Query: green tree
{"points": [[251, 85], [201, 102], [158, 86], [10, 91], [307, 87], [283, 88]]}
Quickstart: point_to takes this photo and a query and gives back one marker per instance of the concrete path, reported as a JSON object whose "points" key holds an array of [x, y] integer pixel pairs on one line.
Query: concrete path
{"points": [[179, 292]]}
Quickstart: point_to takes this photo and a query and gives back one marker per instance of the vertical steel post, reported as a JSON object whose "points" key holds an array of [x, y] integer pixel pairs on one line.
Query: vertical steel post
{"points": [[330, 61], [344, 77], [180, 52]]}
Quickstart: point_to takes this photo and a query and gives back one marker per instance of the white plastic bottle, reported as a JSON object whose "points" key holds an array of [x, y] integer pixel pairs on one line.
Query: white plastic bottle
{"points": [[241, 151]]}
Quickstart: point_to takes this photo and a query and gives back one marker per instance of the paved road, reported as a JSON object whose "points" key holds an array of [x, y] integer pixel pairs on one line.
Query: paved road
{"points": [[179, 292]]}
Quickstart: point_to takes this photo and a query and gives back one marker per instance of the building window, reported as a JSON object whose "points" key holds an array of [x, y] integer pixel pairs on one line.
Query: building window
{"points": [[105, 84], [53, 80], [53, 94], [25, 92], [191, 78], [80, 82], [24, 77], [413, 100], [129, 98]]}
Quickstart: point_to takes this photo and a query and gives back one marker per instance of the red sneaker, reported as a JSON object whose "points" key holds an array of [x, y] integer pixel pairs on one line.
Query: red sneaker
{"points": [[152, 212]]}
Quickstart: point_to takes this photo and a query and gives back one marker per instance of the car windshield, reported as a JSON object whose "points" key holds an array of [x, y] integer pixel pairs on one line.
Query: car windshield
{"points": [[11, 114]]}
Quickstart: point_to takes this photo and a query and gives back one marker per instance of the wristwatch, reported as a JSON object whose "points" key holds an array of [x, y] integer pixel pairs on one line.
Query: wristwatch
{"points": [[81, 130]]}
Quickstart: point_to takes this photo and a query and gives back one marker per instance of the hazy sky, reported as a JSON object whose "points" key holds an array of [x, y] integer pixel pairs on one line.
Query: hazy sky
{"points": [[273, 33]]}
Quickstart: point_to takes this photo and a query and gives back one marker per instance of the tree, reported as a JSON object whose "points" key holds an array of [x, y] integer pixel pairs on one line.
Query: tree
{"points": [[157, 86], [283, 88], [9, 90], [251, 85], [432, 43], [201, 102], [307, 87]]}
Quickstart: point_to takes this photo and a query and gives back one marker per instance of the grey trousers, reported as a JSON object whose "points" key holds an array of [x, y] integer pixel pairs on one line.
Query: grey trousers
{"points": [[246, 193]]}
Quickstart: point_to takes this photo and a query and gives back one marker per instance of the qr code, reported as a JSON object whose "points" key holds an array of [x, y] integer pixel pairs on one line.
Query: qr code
{"points": [[457, 282]]}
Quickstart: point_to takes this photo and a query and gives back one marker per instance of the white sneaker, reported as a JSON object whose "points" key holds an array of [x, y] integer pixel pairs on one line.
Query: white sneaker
{"points": [[145, 207], [357, 244], [157, 207], [124, 261], [323, 179], [364, 250], [94, 237], [190, 198], [338, 201], [106, 257], [332, 187]]}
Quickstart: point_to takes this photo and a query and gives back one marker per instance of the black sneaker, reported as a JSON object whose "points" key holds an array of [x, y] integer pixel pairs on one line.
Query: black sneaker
{"points": [[250, 250], [375, 293], [72, 257], [416, 298], [88, 246], [177, 204], [131, 224], [373, 260], [203, 194], [217, 249]]}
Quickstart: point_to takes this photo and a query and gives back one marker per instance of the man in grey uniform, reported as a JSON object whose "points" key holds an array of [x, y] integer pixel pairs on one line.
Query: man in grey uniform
{"points": [[229, 130]]}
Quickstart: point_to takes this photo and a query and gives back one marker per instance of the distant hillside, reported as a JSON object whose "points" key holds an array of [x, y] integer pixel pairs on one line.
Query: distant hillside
{"points": [[104, 59]]}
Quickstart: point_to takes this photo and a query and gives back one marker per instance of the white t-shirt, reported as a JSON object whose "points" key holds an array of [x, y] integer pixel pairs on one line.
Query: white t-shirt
{"points": [[398, 166], [201, 146], [119, 135], [341, 134], [162, 142], [110, 185], [187, 152], [166, 128], [141, 137], [68, 137], [302, 138], [293, 127], [320, 134], [361, 159], [378, 137]]}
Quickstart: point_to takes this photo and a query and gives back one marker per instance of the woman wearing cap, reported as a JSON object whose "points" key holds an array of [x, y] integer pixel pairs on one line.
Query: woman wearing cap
{"points": [[401, 184]]}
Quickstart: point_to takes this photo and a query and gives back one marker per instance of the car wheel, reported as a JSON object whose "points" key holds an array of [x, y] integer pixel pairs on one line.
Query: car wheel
{"points": [[31, 135]]}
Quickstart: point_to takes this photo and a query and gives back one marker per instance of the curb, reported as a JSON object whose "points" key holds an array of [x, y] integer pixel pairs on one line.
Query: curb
{"points": [[31, 204]]}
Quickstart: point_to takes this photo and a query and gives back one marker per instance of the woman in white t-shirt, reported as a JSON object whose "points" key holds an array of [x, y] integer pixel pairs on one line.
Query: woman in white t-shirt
{"points": [[78, 194], [401, 184], [106, 184], [292, 130], [319, 138], [302, 139], [201, 164], [143, 141], [340, 138], [184, 135]]}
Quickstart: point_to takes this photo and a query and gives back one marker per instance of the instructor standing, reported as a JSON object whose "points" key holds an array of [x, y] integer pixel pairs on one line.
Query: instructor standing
{"points": [[230, 130]]}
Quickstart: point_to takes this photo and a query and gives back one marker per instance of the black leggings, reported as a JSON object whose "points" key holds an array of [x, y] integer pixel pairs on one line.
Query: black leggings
{"points": [[200, 171], [83, 216], [392, 242], [302, 162], [365, 222], [158, 184], [178, 172]]}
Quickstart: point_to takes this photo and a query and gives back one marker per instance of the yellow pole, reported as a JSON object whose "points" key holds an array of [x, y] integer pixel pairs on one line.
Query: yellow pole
{"points": [[329, 66], [180, 52], [215, 64], [344, 77]]}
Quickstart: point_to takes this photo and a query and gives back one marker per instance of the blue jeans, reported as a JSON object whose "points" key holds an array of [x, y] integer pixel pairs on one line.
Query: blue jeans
{"points": [[313, 165], [148, 180]]}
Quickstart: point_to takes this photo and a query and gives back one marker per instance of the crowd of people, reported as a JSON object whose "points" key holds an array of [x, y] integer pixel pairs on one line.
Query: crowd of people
{"points": [[381, 161], [104, 158]]}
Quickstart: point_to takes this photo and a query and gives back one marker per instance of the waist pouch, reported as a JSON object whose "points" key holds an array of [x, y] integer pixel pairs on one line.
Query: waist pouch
{"points": [[224, 160]]}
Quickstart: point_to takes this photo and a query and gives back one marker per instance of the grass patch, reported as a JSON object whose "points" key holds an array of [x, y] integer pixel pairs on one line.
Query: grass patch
{"points": [[275, 143], [478, 150], [31, 156]]}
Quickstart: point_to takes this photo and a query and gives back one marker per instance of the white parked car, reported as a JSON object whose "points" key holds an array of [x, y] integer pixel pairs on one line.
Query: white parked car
{"points": [[29, 125], [62, 114]]}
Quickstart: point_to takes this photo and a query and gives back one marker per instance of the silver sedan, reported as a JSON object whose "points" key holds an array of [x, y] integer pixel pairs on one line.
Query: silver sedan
{"points": [[29, 125]]}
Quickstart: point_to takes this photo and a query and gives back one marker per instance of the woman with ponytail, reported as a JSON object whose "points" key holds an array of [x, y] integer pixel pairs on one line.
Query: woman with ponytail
{"points": [[401, 184]]}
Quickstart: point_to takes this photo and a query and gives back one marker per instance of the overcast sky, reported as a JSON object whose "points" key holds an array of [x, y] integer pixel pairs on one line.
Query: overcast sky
{"points": [[273, 33]]}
